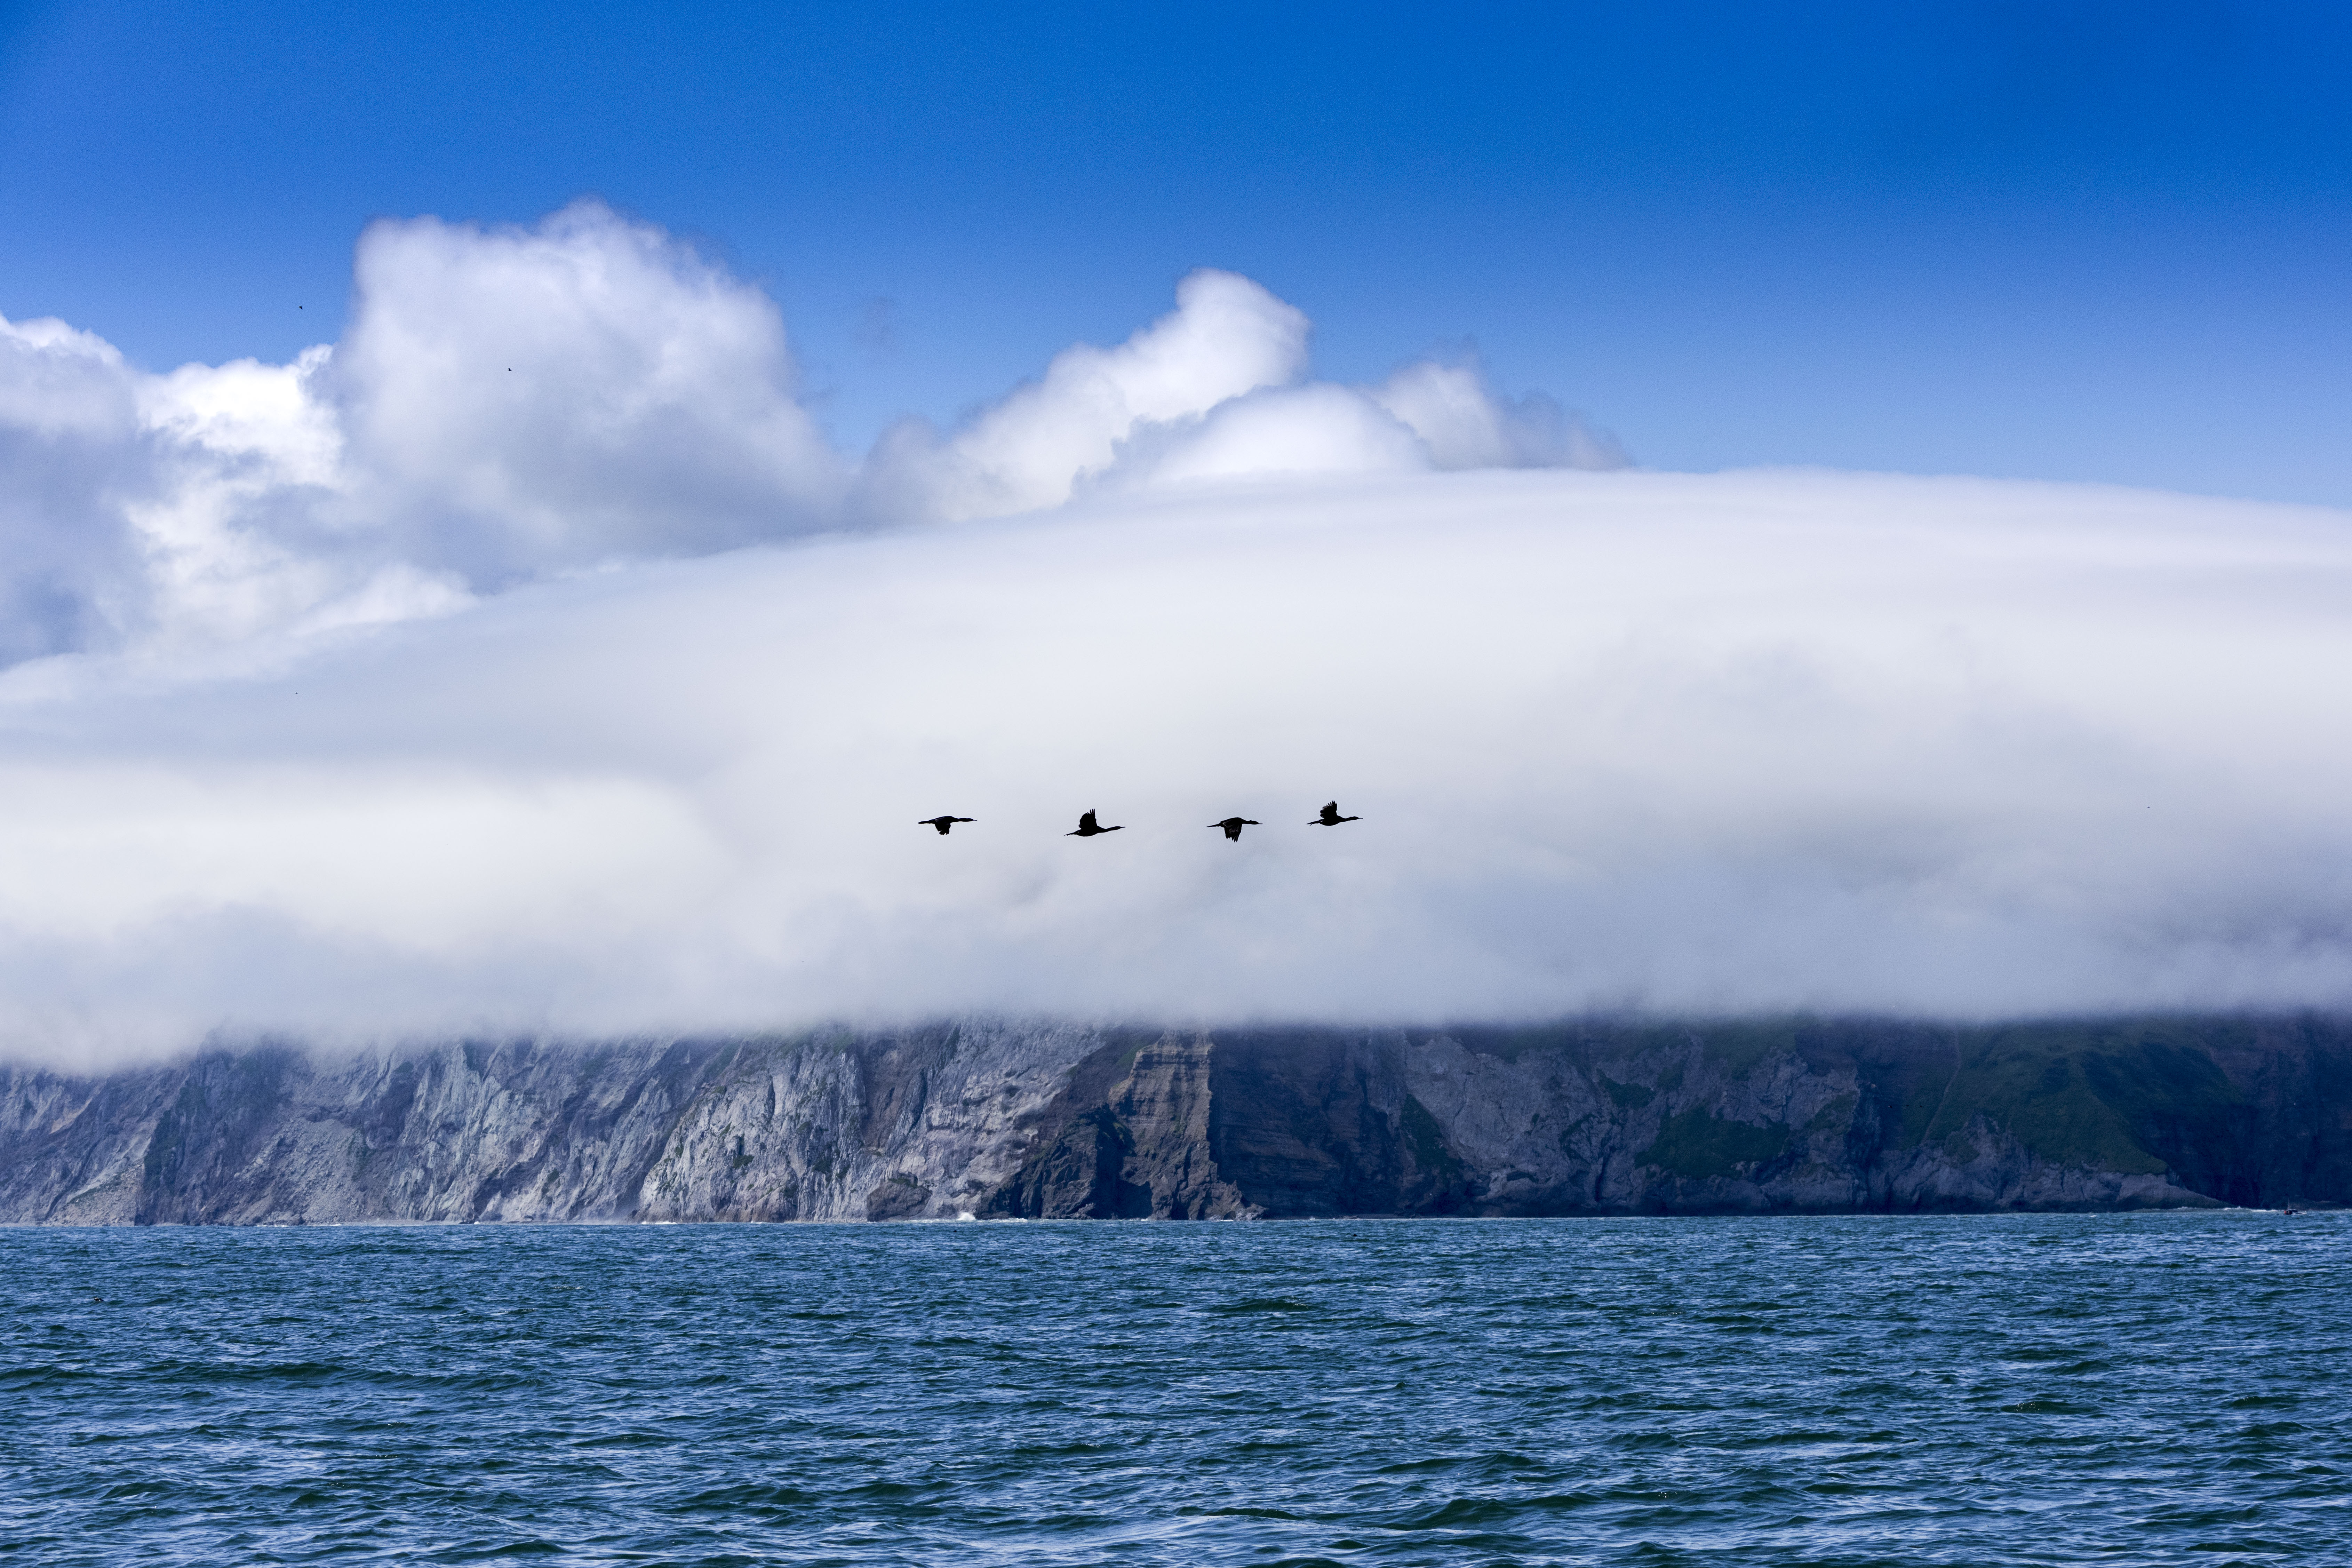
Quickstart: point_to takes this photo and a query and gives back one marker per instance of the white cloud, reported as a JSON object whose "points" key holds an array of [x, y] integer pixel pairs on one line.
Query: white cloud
{"points": [[1463, 424], [1213, 390], [241, 537], [1226, 338], [511, 405], [507, 405], [1315, 429], [526, 400], [1748, 740], [72, 457]]}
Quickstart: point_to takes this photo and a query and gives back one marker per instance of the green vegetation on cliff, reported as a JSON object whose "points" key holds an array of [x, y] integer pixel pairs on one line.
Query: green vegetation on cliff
{"points": [[1699, 1144]]}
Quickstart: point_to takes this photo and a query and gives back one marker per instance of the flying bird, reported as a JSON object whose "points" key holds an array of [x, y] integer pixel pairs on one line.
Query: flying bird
{"points": [[1233, 825], [1089, 827], [942, 823], [1330, 817]]}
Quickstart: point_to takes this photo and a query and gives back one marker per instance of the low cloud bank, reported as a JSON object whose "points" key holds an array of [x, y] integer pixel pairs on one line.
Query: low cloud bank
{"points": [[512, 405], [528, 661], [1725, 742]]}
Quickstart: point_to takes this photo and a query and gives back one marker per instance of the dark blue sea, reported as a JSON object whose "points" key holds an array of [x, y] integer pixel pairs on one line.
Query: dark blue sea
{"points": [[2048, 1389]]}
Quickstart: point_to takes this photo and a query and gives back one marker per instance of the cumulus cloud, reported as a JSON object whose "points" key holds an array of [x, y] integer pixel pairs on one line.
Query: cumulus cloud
{"points": [[1462, 423], [1226, 338], [72, 455], [523, 400], [1214, 390], [1316, 429], [512, 404], [1741, 741]]}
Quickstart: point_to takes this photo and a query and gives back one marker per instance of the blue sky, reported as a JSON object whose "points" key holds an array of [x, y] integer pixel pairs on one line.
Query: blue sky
{"points": [[2088, 241]]}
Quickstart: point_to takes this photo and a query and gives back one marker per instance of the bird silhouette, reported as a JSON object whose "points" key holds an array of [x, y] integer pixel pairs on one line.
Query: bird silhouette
{"points": [[1332, 818], [1089, 827], [1233, 825], [941, 823]]}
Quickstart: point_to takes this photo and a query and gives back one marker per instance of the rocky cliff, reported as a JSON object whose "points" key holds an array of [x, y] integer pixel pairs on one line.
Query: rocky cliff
{"points": [[992, 1119]]}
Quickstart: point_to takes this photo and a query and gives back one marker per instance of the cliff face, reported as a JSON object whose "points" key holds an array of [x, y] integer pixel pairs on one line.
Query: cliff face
{"points": [[997, 1119]]}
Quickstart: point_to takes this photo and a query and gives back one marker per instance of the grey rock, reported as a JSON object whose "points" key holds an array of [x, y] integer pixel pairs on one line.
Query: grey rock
{"points": [[993, 1118]]}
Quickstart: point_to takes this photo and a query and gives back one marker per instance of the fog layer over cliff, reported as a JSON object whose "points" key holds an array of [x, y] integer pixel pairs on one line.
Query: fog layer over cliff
{"points": [[527, 662], [1744, 742]]}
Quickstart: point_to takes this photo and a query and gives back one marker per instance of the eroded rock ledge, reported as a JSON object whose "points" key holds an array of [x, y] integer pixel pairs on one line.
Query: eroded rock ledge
{"points": [[998, 1119]]}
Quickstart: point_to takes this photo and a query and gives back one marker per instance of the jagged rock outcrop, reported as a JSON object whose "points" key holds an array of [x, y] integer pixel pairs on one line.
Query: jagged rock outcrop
{"points": [[993, 1118]]}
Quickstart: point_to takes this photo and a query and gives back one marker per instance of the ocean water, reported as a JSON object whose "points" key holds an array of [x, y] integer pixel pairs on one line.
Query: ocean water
{"points": [[2048, 1389]]}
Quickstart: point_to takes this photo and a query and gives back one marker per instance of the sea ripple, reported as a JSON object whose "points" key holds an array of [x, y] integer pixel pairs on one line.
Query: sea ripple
{"points": [[2145, 1389]]}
